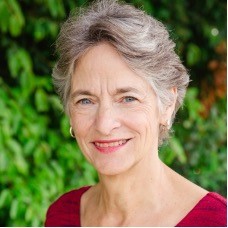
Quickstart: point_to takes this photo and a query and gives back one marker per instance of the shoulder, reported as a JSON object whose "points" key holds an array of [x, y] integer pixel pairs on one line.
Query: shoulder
{"points": [[214, 200], [65, 211], [211, 210]]}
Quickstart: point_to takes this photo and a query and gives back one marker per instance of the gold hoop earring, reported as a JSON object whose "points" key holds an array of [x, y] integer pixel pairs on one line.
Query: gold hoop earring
{"points": [[72, 132]]}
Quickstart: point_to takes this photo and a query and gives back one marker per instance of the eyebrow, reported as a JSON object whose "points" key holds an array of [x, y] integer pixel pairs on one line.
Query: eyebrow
{"points": [[117, 92], [80, 92], [126, 90]]}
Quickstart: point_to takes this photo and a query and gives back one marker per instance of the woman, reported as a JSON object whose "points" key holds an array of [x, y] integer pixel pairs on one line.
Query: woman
{"points": [[121, 84]]}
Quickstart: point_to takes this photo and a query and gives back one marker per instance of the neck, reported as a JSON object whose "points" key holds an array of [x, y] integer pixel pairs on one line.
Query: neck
{"points": [[122, 194]]}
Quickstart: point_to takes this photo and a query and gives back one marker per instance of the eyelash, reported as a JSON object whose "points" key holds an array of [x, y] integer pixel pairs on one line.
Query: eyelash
{"points": [[86, 101], [82, 101], [132, 99]]}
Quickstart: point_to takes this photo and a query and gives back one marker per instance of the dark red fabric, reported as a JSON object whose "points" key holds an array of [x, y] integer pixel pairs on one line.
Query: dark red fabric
{"points": [[65, 211], [210, 211]]}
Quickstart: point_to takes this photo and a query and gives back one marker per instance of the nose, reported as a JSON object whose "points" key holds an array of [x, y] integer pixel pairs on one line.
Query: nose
{"points": [[106, 119]]}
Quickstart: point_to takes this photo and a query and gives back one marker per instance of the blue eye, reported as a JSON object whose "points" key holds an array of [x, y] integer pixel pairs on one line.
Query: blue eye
{"points": [[84, 101], [129, 99]]}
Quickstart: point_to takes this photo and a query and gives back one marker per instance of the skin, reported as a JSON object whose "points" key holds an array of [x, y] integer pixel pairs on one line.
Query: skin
{"points": [[111, 102]]}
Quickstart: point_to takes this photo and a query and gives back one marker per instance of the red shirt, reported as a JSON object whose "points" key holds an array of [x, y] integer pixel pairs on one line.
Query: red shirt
{"points": [[209, 211]]}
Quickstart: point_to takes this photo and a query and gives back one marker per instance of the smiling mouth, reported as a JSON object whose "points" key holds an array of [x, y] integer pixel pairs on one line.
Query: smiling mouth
{"points": [[110, 146]]}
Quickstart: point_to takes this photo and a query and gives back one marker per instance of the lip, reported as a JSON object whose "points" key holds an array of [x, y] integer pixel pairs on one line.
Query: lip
{"points": [[109, 149]]}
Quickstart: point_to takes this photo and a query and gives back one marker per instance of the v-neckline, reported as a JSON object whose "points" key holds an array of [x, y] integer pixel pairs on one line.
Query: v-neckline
{"points": [[84, 189]]}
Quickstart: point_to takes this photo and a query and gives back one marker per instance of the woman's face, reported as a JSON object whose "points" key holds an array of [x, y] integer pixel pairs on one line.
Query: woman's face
{"points": [[113, 112]]}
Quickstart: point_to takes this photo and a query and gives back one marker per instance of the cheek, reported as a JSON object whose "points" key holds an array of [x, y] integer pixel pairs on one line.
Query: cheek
{"points": [[148, 129], [81, 124], [143, 116], [145, 122]]}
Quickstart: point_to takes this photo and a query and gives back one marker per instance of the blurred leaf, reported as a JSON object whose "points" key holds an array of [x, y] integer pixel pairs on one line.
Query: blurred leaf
{"points": [[65, 126], [41, 101], [193, 54], [55, 102], [4, 16], [56, 8], [16, 20], [178, 150], [4, 161], [29, 214], [4, 197], [193, 104], [19, 160], [19, 60], [14, 209], [25, 60]]}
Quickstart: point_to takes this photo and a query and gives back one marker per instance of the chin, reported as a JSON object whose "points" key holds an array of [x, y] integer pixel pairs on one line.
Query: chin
{"points": [[112, 169], [111, 172]]}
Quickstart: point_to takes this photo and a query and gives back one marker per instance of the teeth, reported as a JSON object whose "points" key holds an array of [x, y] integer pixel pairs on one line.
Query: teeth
{"points": [[112, 144]]}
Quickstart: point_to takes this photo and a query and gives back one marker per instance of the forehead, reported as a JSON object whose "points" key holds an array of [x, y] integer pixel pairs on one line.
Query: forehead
{"points": [[103, 65]]}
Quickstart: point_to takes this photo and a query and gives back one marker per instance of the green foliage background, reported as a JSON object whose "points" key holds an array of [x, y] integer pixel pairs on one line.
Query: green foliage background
{"points": [[38, 159]]}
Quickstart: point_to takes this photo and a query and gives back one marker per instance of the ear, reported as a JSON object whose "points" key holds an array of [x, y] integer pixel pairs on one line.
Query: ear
{"points": [[168, 111], [69, 115], [70, 120]]}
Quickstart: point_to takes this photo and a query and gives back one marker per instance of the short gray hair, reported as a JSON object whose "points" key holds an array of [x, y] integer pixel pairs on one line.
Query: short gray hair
{"points": [[142, 40]]}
